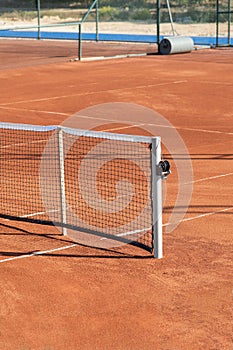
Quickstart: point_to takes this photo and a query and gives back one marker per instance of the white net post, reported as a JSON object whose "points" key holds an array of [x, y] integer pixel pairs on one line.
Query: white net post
{"points": [[62, 180], [156, 198]]}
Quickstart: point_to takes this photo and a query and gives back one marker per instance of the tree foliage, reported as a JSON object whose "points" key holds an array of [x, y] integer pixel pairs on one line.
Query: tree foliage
{"points": [[112, 3]]}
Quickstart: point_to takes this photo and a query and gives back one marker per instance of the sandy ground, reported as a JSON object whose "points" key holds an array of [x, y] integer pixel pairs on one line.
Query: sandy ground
{"points": [[201, 29]]}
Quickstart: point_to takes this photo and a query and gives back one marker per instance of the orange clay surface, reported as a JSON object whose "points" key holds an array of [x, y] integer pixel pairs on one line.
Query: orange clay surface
{"points": [[123, 299]]}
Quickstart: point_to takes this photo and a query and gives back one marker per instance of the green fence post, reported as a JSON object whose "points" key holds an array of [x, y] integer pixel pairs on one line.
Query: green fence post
{"points": [[229, 22], [97, 20], [80, 42], [38, 19], [158, 23], [217, 22]]}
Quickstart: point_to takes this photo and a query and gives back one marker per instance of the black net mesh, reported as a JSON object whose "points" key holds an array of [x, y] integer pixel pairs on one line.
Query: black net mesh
{"points": [[96, 187]]}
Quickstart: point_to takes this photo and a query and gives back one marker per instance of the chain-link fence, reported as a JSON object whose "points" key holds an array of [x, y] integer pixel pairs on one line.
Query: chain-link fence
{"points": [[119, 20], [224, 21]]}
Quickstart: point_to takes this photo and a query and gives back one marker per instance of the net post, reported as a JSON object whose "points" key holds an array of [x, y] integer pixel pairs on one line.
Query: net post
{"points": [[156, 198], [62, 180]]}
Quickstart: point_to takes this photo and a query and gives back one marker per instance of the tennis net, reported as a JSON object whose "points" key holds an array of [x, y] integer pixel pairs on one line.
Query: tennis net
{"points": [[101, 189]]}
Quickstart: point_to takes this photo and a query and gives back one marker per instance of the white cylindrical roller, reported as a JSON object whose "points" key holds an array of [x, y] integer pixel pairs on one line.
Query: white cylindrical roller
{"points": [[176, 44]]}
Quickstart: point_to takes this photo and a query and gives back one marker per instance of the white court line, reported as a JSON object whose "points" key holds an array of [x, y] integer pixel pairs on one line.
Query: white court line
{"points": [[205, 130], [22, 144], [34, 110], [201, 216], [190, 129], [95, 92], [208, 178], [101, 58], [215, 82], [130, 233], [114, 120], [39, 213], [42, 252], [122, 127]]}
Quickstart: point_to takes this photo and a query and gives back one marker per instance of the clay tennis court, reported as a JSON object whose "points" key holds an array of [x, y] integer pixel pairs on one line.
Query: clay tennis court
{"points": [[57, 294]]}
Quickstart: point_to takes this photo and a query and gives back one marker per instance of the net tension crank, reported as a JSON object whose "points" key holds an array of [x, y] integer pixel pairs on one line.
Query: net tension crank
{"points": [[163, 169]]}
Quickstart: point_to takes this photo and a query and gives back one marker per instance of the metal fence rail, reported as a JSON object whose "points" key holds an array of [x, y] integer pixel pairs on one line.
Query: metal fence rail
{"points": [[79, 24]]}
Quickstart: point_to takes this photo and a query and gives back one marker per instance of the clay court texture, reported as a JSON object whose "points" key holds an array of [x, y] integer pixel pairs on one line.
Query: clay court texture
{"points": [[57, 294]]}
